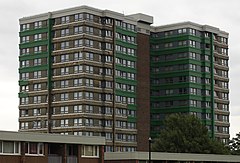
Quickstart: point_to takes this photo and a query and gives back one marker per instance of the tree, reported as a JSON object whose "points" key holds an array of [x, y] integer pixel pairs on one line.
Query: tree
{"points": [[234, 145], [185, 134]]}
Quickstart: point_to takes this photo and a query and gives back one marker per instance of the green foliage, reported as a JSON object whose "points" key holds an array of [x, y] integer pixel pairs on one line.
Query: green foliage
{"points": [[185, 134], [234, 145]]}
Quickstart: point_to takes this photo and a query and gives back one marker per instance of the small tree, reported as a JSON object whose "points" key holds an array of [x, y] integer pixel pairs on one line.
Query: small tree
{"points": [[185, 134], [234, 145]]}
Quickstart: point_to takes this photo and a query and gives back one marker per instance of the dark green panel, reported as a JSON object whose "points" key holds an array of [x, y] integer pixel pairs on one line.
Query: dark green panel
{"points": [[126, 69], [33, 56], [175, 38], [33, 44], [22, 94], [32, 69], [32, 32], [126, 32], [132, 107], [126, 81], [132, 119], [125, 44], [23, 82], [125, 56], [124, 93]]}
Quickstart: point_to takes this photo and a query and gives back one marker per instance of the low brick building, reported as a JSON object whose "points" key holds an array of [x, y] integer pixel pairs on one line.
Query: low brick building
{"points": [[18, 147], [161, 157]]}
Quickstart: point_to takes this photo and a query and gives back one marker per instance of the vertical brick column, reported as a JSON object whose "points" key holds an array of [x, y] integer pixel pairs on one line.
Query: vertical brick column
{"points": [[143, 91]]}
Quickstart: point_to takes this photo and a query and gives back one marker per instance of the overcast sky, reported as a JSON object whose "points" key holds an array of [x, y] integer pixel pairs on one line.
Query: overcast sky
{"points": [[224, 14]]}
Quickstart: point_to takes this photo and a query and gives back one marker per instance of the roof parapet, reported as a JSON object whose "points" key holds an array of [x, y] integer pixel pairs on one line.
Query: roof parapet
{"points": [[142, 18]]}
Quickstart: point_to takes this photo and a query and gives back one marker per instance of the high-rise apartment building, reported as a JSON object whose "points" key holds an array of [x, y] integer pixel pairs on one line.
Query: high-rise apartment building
{"points": [[189, 74], [85, 71]]}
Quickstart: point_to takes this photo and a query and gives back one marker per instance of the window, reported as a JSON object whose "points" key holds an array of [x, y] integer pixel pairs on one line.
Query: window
{"points": [[78, 43], [9, 147], [207, 69], [64, 71], [77, 108], [107, 110], [182, 43], [90, 150], [192, 43], [225, 107], [77, 95], [37, 87], [64, 32], [77, 82], [78, 17], [193, 91], [37, 74], [64, 97], [24, 100], [89, 69], [36, 112], [64, 45], [192, 67], [78, 56], [169, 91], [24, 125], [78, 122], [24, 113], [192, 31], [25, 51], [64, 58], [88, 122], [25, 88], [108, 33], [89, 56], [89, 95], [193, 79], [24, 63], [131, 100], [37, 24], [36, 124], [64, 109], [37, 37], [24, 39], [108, 136], [37, 99], [225, 130], [37, 62], [64, 83], [89, 30], [78, 30], [89, 43], [65, 19], [34, 148], [89, 82], [64, 123], [192, 55], [183, 30], [78, 69], [168, 45], [25, 27], [108, 46], [193, 103], [89, 109], [37, 49], [225, 96]]}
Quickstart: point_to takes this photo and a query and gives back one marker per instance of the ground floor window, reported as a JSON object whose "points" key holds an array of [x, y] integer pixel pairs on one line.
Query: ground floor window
{"points": [[9, 147], [90, 150], [34, 148]]}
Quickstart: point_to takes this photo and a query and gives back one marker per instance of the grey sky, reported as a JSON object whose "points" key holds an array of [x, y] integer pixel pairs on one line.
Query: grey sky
{"points": [[223, 14]]}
